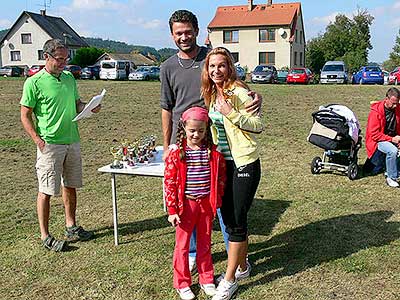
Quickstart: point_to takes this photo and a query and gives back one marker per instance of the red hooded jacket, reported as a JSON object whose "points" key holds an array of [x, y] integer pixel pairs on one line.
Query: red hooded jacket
{"points": [[175, 180], [376, 127]]}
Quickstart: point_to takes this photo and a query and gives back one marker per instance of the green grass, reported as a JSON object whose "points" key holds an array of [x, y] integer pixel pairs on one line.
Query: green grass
{"points": [[312, 236]]}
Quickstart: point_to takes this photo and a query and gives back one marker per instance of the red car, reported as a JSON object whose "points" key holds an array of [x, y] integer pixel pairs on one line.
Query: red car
{"points": [[300, 75], [34, 69], [75, 70], [394, 76]]}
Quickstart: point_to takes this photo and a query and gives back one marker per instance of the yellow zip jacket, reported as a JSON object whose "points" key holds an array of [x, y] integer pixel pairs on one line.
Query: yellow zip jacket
{"points": [[240, 127]]}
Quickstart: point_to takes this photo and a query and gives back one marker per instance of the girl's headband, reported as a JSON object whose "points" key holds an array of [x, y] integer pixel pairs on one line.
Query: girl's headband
{"points": [[195, 113]]}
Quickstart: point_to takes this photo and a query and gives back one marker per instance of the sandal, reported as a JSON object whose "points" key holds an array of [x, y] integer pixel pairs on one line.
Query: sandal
{"points": [[51, 243]]}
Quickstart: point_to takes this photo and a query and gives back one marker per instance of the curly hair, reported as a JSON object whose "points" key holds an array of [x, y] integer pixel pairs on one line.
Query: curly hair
{"points": [[183, 16], [208, 86], [181, 136]]}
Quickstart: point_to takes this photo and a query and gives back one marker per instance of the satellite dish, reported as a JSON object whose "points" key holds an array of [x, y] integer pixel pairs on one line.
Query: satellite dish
{"points": [[11, 46], [281, 31]]}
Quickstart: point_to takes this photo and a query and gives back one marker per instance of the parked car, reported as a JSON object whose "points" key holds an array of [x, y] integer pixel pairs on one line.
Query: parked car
{"points": [[282, 75], [90, 72], [300, 75], [264, 74], [34, 69], [11, 71], [145, 73], [368, 74], [394, 77], [385, 77], [241, 73], [334, 72], [75, 70]]}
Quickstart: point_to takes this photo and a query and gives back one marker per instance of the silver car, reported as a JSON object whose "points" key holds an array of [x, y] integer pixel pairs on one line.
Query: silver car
{"points": [[334, 72], [10, 71], [145, 73], [264, 74]]}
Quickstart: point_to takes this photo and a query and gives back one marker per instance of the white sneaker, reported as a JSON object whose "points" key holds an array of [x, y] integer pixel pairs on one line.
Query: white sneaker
{"points": [[186, 293], [192, 265], [209, 289], [225, 290], [239, 274], [391, 182]]}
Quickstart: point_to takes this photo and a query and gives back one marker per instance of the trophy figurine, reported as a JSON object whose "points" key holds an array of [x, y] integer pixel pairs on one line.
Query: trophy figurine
{"points": [[116, 152]]}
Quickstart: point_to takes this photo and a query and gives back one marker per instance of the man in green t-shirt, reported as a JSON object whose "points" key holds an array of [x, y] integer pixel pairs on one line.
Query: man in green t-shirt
{"points": [[52, 96]]}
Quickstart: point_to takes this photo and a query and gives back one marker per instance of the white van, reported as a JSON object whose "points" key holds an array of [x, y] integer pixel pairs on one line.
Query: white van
{"points": [[115, 69], [334, 72]]}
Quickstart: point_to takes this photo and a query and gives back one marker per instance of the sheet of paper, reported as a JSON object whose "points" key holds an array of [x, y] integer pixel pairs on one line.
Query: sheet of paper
{"points": [[87, 111]]}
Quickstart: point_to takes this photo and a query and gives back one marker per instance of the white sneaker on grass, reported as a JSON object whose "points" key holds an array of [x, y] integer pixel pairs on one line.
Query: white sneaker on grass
{"points": [[225, 290], [391, 182], [239, 274], [209, 289], [186, 293]]}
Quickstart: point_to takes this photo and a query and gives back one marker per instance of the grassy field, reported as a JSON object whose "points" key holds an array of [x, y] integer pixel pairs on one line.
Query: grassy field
{"points": [[312, 236]]}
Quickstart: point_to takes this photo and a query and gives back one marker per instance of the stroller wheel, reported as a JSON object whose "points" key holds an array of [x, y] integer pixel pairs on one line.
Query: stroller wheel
{"points": [[316, 165], [352, 171]]}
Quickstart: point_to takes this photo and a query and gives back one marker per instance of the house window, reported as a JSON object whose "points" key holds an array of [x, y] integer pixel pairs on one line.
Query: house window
{"points": [[301, 37], [231, 36], [296, 36], [266, 58], [26, 38], [267, 35], [295, 58], [15, 55], [235, 56], [40, 55], [301, 58]]}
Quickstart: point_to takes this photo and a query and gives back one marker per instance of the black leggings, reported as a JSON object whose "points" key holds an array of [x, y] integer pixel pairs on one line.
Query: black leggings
{"points": [[241, 186]]}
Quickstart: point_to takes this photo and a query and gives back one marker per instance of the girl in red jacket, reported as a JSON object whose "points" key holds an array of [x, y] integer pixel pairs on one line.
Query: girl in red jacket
{"points": [[194, 182]]}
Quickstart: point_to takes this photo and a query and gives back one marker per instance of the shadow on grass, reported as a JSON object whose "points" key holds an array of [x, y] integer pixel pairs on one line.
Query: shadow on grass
{"points": [[263, 216], [133, 227], [323, 241]]}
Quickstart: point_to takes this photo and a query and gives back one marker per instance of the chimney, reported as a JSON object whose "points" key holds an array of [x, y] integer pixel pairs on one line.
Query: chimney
{"points": [[249, 5], [43, 12], [269, 2]]}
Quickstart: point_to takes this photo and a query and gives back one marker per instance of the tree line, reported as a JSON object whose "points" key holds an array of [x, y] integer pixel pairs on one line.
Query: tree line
{"points": [[349, 40]]}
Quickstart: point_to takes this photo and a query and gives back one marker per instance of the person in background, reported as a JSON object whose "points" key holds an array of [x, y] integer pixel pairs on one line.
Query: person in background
{"points": [[234, 132], [194, 182], [180, 77], [52, 97], [382, 137]]}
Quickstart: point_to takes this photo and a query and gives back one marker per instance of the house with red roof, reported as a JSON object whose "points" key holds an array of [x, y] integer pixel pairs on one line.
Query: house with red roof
{"points": [[23, 44], [270, 33]]}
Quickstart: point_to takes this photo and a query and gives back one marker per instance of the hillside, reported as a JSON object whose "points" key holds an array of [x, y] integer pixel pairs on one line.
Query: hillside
{"points": [[3, 33], [122, 47]]}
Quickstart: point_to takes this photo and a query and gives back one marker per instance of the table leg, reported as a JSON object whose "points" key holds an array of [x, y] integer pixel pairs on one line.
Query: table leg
{"points": [[115, 210]]}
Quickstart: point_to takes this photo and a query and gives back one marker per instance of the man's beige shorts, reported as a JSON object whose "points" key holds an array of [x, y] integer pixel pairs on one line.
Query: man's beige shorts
{"points": [[58, 162]]}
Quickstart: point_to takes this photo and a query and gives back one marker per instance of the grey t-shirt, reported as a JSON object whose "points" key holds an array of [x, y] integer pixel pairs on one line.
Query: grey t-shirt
{"points": [[180, 86]]}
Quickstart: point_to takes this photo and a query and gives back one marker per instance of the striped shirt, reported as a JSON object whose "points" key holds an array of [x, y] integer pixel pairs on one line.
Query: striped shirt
{"points": [[218, 121], [198, 173]]}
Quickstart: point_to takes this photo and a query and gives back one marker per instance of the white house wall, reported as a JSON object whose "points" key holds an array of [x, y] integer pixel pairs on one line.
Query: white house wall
{"points": [[249, 46], [299, 46], [29, 52]]}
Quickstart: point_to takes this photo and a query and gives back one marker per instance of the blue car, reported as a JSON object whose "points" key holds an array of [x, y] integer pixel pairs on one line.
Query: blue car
{"points": [[369, 74]]}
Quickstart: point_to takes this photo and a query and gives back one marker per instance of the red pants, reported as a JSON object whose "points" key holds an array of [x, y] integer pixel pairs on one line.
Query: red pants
{"points": [[195, 214]]}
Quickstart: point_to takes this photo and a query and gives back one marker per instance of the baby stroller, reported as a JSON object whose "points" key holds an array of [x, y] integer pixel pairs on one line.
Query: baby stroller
{"points": [[336, 130]]}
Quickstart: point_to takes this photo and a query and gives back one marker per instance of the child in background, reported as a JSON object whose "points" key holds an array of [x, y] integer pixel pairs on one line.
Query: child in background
{"points": [[194, 182]]}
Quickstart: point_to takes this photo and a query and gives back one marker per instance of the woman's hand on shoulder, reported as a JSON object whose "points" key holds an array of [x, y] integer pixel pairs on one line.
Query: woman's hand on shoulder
{"points": [[254, 107]]}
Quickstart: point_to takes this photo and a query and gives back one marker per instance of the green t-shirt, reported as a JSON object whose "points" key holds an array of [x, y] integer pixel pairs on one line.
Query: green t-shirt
{"points": [[54, 104]]}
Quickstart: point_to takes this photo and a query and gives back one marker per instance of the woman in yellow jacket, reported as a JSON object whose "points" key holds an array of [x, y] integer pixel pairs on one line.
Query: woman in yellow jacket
{"points": [[234, 132]]}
